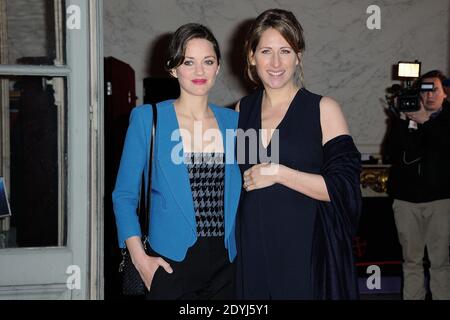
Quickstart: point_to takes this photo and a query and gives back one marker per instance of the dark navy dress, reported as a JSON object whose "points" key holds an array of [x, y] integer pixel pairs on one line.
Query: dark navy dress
{"points": [[276, 224], [290, 246]]}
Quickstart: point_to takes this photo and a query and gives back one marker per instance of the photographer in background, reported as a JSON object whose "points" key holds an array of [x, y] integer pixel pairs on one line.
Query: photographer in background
{"points": [[419, 182]]}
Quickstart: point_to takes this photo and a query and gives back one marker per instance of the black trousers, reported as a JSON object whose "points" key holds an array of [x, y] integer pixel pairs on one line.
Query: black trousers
{"points": [[205, 274]]}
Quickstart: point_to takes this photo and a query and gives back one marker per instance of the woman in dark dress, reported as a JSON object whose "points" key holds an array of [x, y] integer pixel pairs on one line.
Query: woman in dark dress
{"points": [[297, 213]]}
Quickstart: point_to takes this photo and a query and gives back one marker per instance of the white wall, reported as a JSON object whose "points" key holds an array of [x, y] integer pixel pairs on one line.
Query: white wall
{"points": [[343, 59]]}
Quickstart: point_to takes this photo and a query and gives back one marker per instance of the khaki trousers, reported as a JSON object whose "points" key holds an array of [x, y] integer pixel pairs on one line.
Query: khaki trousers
{"points": [[421, 225]]}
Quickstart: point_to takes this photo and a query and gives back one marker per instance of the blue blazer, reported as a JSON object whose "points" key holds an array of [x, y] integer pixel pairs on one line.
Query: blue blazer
{"points": [[172, 227]]}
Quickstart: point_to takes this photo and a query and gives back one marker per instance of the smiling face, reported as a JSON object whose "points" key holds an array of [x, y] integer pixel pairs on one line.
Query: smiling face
{"points": [[433, 100], [199, 69], [275, 60]]}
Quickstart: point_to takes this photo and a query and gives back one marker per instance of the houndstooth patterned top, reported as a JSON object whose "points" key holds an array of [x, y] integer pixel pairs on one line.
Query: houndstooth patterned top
{"points": [[207, 178]]}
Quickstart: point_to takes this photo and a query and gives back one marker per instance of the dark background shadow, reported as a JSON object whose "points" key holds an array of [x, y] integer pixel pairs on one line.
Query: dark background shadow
{"points": [[236, 57], [159, 85], [157, 56]]}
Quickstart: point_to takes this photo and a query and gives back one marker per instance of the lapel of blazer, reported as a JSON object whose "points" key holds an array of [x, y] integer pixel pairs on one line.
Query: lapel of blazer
{"points": [[169, 145], [223, 123], [176, 173]]}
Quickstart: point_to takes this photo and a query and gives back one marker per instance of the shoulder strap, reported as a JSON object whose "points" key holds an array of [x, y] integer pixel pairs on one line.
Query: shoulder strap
{"points": [[146, 211]]}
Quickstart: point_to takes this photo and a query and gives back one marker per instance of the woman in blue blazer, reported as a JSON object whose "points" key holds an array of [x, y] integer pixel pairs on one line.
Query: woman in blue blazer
{"points": [[195, 185]]}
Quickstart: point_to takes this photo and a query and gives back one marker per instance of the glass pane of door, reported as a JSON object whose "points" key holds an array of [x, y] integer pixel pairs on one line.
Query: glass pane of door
{"points": [[37, 160], [31, 32]]}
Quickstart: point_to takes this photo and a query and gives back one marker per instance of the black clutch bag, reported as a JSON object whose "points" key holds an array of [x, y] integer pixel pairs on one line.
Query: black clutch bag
{"points": [[132, 283]]}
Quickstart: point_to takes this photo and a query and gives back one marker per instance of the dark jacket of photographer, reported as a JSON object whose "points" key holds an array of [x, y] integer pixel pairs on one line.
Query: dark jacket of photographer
{"points": [[420, 159]]}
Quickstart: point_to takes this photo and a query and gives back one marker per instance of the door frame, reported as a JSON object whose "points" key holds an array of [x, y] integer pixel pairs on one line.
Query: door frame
{"points": [[96, 264], [84, 75]]}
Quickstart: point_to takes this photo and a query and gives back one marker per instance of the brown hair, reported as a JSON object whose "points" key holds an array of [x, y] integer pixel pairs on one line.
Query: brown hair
{"points": [[287, 25], [177, 46], [434, 74]]}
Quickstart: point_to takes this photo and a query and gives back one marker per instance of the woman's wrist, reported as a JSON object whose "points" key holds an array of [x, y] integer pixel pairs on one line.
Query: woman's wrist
{"points": [[137, 256], [283, 175], [135, 247]]}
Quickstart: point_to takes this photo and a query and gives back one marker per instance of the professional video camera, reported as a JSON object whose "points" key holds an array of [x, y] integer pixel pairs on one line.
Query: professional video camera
{"points": [[406, 97]]}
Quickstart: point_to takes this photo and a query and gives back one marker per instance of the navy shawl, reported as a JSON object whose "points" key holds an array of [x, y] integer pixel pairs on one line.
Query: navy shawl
{"points": [[333, 269]]}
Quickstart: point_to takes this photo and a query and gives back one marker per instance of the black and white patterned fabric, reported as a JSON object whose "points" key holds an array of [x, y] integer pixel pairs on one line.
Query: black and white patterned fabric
{"points": [[207, 177]]}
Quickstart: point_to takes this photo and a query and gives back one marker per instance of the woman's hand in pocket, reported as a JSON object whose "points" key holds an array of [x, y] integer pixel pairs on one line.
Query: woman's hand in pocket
{"points": [[146, 265]]}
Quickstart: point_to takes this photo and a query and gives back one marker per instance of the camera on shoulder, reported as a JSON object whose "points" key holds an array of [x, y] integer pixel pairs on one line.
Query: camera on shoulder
{"points": [[405, 97]]}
